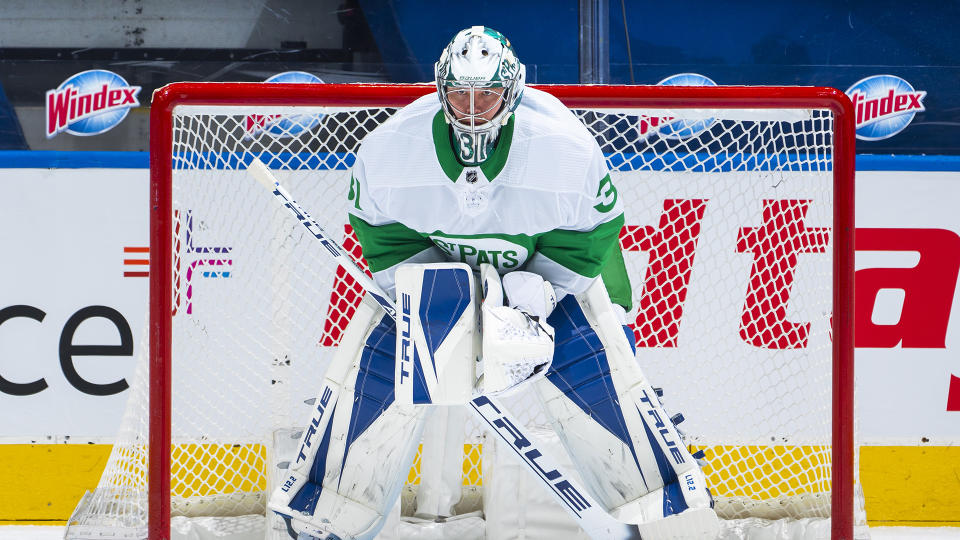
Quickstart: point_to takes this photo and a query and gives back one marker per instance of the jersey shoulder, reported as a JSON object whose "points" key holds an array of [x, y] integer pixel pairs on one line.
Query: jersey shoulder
{"points": [[411, 122], [557, 144], [546, 117], [400, 143]]}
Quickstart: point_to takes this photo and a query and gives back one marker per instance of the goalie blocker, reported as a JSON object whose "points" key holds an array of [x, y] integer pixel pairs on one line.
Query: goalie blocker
{"points": [[352, 463], [439, 344]]}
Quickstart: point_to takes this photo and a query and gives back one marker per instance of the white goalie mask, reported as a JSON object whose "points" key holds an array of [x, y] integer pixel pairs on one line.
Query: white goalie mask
{"points": [[480, 83]]}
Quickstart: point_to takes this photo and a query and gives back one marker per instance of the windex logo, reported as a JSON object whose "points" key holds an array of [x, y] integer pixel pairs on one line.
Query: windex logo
{"points": [[668, 126], [89, 103], [682, 129], [284, 125], [885, 105]]}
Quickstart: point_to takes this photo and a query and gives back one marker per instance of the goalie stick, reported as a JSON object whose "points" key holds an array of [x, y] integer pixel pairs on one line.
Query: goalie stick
{"points": [[591, 517]]}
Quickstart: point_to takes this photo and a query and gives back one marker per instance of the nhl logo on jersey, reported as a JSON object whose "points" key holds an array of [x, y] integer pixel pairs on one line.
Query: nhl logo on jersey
{"points": [[471, 177]]}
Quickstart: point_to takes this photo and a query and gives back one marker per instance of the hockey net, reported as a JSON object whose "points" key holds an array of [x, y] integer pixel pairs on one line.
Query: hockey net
{"points": [[738, 240]]}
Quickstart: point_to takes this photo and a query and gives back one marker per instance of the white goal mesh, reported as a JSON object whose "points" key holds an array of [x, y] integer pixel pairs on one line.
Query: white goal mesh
{"points": [[728, 241]]}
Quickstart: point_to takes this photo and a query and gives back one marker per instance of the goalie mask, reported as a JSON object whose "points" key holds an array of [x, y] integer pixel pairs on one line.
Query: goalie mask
{"points": [[479, 82]]}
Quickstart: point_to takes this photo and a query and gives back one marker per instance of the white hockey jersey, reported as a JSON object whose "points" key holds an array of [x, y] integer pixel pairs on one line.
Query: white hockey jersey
{"points": [[542, 202]]}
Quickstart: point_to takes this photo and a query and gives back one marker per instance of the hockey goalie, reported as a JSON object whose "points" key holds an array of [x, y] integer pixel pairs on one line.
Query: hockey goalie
{"points": [[487, 210]]}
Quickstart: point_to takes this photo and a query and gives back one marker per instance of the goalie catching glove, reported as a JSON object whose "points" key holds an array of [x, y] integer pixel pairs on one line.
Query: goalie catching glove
{"points": [[517, 341]]}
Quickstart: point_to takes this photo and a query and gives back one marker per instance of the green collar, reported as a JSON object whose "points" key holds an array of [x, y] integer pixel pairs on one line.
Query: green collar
{"points": [[448, 160]]}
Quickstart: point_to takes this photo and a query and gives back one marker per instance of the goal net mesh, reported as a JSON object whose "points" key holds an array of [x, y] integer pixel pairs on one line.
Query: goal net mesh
{"points": [[728, 245]]}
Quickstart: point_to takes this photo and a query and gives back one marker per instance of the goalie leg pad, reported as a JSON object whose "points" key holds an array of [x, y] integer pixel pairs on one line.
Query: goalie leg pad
{"points": [[354, 456], [608, 417]]}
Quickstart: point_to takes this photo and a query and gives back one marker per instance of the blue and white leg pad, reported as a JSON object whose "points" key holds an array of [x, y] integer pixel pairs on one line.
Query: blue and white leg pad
{"points": [[610, 421], [354, 454]]}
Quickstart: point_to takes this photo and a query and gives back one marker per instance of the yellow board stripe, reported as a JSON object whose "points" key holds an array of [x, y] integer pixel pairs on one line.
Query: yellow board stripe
{"points": [[766, 472], [43, 482], [472, 466], [207, 469], [903, 485], [911, 484]]}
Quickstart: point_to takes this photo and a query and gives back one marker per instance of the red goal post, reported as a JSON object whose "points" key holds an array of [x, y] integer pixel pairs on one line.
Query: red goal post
{"points": [[253, 95]]}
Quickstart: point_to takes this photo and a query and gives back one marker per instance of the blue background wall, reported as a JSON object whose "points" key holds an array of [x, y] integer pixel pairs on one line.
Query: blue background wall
{"points": [[738, 42]]}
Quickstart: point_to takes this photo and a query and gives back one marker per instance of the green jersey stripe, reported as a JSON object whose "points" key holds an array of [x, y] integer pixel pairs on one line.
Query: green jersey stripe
{"points": [[584, 252], [387, 245]]}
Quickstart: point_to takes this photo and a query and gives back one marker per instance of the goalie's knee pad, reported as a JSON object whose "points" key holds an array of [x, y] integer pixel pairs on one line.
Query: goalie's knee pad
{"points": [[624, 445], [358, 446]]}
